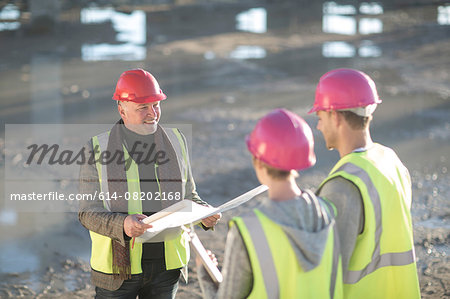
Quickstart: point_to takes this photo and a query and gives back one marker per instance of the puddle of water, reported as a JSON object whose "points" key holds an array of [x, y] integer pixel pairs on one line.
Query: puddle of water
{"points": [[94, 15], [338, 50], [370, 26], [209, 55], [9, 12], [8, 217], [8, 15], [46, 71], [338, 19], [4, 26], [341, 49], [253, 20], [71, 282], [334, 8], [443, 17], [131, 31], [440, 132], [371, 8], [368, 8], [104, 52], [248, 52], [15, 258], [131, 28], [339, 24], [368, 49], [434, 223]]}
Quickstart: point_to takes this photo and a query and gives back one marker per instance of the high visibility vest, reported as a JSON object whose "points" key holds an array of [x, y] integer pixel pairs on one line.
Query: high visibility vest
{"points": [[176, 250], [382, 264], [276, 271]]}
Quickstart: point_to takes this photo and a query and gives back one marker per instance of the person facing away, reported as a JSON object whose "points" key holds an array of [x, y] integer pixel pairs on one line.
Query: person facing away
{"points": [[287, 247], [370, 188], [140, 168]]}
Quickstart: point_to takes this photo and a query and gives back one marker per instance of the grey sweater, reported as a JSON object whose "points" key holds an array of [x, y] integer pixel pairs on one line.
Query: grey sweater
{"points": [[347, 199]]}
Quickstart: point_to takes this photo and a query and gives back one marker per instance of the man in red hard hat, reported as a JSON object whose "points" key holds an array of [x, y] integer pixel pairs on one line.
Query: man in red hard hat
{"points": [[286, 247], [371, 190], [140, 168]]}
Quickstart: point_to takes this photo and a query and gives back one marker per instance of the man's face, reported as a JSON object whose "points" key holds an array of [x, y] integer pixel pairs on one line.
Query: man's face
{"points": [[140, 118], [327, 127]]}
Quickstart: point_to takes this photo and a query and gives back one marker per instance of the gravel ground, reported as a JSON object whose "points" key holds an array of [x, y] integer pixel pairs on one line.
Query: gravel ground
{"points": [[222, 99]]}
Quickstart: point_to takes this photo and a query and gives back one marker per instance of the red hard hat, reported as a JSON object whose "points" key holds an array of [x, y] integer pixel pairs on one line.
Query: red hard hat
{"points": [[138, 86], [342, 89], [283, 140]]}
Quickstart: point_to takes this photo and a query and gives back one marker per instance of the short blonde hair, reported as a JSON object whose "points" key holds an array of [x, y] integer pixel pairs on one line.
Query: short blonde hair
{"points": [[276, 173], [356, 121]]}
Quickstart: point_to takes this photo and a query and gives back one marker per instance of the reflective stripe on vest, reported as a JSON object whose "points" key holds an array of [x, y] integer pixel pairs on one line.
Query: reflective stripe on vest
{"points": [[102, 140], [336, 246], [378, 260], [183, 150], [337, 267], [176, 250], [101, 252], [264, 253]]}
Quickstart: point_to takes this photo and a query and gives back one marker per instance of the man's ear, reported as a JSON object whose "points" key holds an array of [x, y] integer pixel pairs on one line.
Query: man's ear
{"points": [[121, 110], [336, 118], [256, 162], [260, 165]]}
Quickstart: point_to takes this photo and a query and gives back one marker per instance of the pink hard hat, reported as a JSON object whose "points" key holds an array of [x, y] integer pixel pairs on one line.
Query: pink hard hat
{"points": [[283, 140], [138, 86], [344, 89]]}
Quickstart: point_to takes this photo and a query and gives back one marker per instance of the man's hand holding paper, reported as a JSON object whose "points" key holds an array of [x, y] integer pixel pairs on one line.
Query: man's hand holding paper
{"points": [[211, 221], [133, 226], [167, 223]]}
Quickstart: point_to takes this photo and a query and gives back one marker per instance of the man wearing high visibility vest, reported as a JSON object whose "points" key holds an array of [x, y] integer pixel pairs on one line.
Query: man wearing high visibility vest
{"points": [[371, 190], [286, 247], [139, 168]]}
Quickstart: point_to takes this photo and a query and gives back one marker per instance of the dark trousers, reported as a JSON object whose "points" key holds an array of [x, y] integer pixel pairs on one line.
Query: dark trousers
{"points": [[153, 283]]}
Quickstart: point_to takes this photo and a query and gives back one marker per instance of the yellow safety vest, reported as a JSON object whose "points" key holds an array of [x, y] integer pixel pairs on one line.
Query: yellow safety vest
{"points": [[382, 264], [176, 250], [276, 271]]}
